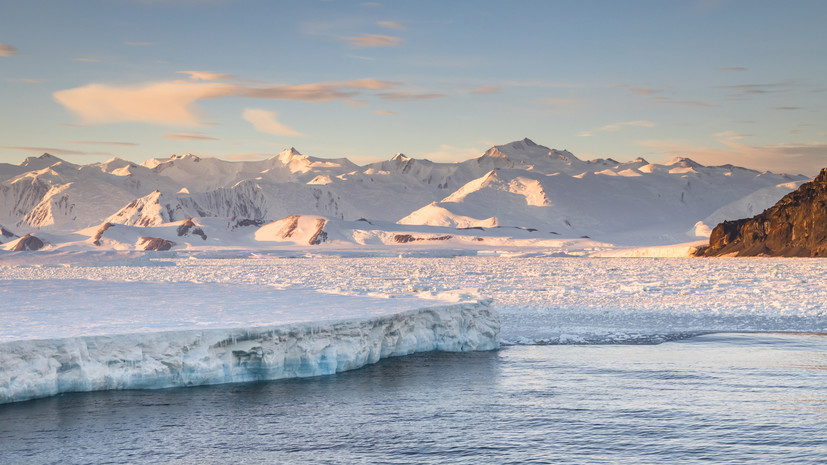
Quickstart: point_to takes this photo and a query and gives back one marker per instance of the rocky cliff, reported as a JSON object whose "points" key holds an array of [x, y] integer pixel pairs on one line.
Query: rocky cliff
{"points": [[796, 226]]}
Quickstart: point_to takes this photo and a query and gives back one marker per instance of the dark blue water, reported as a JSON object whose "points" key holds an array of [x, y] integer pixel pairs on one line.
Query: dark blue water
{"points": [[727, 398]]}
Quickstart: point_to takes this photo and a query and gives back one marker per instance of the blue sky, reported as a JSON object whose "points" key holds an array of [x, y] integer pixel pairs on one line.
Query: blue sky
{"points": [[719, 81]]}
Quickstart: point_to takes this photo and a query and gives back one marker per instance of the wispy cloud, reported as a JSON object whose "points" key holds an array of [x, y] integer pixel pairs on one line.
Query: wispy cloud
{"points": [[555, 103], [685, 103], [373, 41], [7, 50], [730, 136], [617, 127], [759, 88], [409, 96], [26, 80], [368, 84], [265, 121], [88, 60], [141, 44], [98, 142], [207, 76], [391, 25], [189, 136], [652, 94], [174, 102], [741, 91], [317, 92], [486, 90], [52, 150], [384, 112], [639, 90]]}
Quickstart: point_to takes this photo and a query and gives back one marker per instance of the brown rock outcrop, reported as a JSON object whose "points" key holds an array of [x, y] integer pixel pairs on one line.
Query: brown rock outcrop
{"points": [[796, 226], [96, 239], [27, 242], [155, 243], [188, 227]]}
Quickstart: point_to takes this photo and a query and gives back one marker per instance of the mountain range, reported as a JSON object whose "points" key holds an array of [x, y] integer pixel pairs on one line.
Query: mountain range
{"points": [[520, 190]]}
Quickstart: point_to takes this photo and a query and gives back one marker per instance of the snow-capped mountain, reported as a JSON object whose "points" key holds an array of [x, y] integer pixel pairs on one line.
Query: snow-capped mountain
{"points": [[517, 185]]}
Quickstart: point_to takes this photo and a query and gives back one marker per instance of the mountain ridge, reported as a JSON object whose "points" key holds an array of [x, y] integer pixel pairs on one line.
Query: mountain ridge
{"points": [[520, 184]]}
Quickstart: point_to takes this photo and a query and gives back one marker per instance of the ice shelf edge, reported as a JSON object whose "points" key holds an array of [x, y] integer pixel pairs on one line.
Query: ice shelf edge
{"points": [[41, 368]]}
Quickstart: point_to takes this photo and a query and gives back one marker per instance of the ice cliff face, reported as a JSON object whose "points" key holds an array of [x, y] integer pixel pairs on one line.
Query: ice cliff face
{"points": [[31, 369]]}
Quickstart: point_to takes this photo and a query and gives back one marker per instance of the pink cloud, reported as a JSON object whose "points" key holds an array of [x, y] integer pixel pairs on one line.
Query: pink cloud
{"points": [[374, 40], [175, 102], [207, 76], [189, 136], [485, 90], [96, 142], [265, 121], [390, 24], [7, 50], [171, 103]]}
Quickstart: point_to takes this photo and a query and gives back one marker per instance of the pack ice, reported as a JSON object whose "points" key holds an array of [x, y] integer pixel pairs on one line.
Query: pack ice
{"points": [[71, 347]]}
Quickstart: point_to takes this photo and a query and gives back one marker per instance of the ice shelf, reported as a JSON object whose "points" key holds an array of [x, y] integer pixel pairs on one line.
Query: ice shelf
{"points": [[37, 368]]}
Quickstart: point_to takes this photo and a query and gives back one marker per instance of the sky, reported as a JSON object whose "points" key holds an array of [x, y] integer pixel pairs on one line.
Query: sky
{"points": [[718, 81]]}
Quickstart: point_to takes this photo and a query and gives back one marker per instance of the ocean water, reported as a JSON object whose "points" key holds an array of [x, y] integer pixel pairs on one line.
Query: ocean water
{"points": [[714, 398]]}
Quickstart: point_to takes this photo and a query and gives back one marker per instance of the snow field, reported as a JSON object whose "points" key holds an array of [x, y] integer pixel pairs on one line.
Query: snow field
{"points": [[540, 299]]}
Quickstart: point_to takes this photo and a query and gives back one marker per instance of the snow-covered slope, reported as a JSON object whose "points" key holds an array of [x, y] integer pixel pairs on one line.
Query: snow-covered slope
{"points": [[63, 196], [746, 207], [520, 185], [634, 203], [197, 174]]}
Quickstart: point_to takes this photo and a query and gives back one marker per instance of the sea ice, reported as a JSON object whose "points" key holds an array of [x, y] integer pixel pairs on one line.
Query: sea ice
{"points": [[92, 337]]}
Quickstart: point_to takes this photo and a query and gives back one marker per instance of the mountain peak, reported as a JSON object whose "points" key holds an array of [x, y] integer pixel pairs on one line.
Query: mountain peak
{"points": [[685, 162], [527, 152], [287, 155], [400, 157], [47, 159], [525, 144], [187, 156]]}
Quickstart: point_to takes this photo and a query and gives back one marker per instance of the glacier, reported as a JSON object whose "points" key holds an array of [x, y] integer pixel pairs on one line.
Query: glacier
{"points": [[37, 368]]}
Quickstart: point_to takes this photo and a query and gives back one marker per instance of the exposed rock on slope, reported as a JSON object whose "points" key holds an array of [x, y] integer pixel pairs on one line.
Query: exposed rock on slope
{"points": [[189, 228], [155, 243], [300, 229], [27, 242], [795, 227], [6, 235], [96, 239]]}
